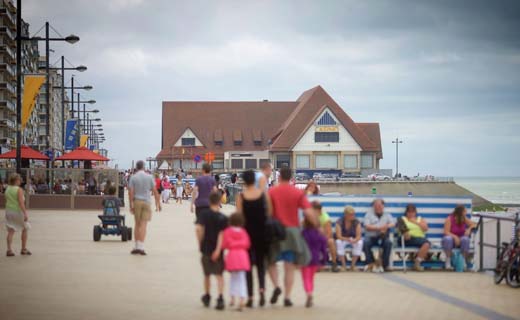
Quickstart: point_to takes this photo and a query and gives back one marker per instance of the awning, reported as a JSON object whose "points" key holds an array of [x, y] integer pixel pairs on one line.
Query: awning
{"points": [[237, 135], [82, 154], [27, 153]]}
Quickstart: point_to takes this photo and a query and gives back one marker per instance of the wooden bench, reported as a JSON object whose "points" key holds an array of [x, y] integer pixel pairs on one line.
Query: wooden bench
{"points": [[435, 209]]}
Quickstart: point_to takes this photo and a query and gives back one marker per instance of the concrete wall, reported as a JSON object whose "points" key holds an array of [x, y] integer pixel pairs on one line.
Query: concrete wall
{"points": [[402, 188]]}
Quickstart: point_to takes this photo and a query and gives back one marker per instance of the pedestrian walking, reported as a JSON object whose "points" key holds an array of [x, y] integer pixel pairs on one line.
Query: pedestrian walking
{"points": [[179, 190], [293, 251], [203, 187], [140, 188], [317, 244], [254, 204], [16, 217], [236, 242], [166, 189], [209, 228]]}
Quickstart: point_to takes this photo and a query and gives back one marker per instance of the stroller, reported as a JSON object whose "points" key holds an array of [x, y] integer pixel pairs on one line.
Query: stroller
{"points": [[112, 222]]}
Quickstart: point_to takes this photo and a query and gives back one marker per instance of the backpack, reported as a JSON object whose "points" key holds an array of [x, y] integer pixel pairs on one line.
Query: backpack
{"points": [[110, 207]]}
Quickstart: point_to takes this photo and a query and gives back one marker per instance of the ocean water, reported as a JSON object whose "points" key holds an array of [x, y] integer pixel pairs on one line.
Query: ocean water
{"points": [[495, 189]]}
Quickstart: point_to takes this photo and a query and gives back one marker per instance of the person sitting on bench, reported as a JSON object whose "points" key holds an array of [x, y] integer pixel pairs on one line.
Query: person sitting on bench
{"points": [[415, 236]]}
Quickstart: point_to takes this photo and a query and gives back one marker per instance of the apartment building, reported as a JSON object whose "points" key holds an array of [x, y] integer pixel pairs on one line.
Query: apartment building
{"points": [[30, 56]]}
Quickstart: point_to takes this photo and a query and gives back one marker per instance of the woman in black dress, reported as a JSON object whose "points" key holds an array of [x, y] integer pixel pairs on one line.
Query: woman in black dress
{"points": [[254, 204]]}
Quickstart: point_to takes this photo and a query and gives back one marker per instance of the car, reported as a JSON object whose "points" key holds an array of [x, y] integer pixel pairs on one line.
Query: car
{"points": [[348, 176], [379, 177], [301, 176], [326, 177]]}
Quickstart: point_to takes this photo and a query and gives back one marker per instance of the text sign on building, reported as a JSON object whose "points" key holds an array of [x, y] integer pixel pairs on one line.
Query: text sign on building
{"points": [[327, 129]]}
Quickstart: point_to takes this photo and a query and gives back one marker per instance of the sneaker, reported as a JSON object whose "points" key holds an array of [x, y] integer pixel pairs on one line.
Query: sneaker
{"points": [[417, 266], [335, 268], [378, 270], [135, 251], [220, 304], [142, 252], [261, 302], [308, 304], [276, 293], [447, 265], [368, 268], [249, 303], [206, 299], [287, 303]]}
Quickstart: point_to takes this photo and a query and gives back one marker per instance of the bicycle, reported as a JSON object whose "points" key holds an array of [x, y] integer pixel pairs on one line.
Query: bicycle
{"points": [[508, 262]]}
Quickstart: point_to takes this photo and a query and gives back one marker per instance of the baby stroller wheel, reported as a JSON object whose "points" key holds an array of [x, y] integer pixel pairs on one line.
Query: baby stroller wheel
{"points": [[97, 233], [129, 234], [124, 234]]}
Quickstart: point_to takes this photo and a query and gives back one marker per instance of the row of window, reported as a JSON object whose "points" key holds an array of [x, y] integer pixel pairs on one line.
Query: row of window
{"points": [[247, 163], [187, 142], [330, 161]]}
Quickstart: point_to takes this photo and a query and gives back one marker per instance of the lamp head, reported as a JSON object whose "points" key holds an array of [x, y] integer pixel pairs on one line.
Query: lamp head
{"points": [[81, 68], [88, 88], [72, 39]]}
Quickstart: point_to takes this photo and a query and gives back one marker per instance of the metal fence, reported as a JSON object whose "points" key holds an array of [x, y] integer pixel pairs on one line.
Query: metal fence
{"points": [[63, 188]]}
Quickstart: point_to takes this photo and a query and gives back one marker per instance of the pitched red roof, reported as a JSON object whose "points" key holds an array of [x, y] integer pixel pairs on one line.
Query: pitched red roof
{"points": [[374, 134], [213, 121], [27, 153], [279, 125], [311, 103], [82, 154]]}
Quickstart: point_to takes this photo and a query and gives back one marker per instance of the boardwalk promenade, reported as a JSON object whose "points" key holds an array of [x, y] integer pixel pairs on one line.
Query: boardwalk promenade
{"points": [[71, 277]]}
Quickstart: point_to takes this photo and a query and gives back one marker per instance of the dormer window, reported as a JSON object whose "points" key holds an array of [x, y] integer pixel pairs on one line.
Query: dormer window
{"points": [[218, 138], [237, 137], [186, 142], [326, 120]]}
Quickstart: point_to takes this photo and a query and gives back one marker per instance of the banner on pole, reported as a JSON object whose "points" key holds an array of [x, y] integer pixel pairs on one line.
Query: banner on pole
{"points": [[83, 140], [71, 134], [31, 88]]}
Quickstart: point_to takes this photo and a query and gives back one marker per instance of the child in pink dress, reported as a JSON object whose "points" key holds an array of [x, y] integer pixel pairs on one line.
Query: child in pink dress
{"points": [[236, 242]]}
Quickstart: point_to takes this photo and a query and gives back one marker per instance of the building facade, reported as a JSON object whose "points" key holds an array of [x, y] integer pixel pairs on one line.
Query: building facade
{"points": [[55, 124], [30, 55], [312, 133]]}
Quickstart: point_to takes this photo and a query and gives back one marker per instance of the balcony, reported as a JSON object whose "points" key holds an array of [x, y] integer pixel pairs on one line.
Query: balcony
{"points": [[9, 88], [8, 17], [8, 69], [9, 105], [8, 53], [6, 31], [7, 123]]}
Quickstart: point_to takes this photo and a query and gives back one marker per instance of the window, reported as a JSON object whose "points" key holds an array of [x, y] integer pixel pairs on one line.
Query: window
{"points": [[326, 120], [188, 141], [237, 164], [303, 162], [326, 161], [367, 161], [237, 143], [326, 137], [251, 164], [262, 161], [219, 164], [258, 143], [218, 143], [350, 161], [283, 160]]}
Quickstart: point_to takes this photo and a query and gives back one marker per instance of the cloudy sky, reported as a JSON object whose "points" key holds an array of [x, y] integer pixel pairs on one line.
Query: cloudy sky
{"points": [[442, 75]]}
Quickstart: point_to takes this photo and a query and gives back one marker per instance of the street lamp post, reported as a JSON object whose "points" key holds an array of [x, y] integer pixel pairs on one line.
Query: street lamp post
{"points": [[70, 39], [397, 142]]}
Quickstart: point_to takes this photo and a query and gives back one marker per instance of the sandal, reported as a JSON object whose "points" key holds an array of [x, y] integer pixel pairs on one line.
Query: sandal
{"points": [[10, 253], [25, 252]]}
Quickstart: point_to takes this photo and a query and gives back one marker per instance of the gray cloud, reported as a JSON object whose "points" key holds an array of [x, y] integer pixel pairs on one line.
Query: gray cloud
{"points": [[444, 75]]}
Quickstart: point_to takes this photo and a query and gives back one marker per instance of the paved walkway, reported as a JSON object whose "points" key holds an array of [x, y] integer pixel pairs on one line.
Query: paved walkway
{"points": [[71, 277]]}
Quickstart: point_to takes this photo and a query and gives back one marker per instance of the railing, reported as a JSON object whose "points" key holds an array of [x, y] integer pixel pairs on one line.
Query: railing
{"points": [[234, 190], [499, 217]]}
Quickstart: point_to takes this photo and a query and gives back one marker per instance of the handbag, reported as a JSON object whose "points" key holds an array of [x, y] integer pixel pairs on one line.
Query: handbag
{"points": [[274, 230]]}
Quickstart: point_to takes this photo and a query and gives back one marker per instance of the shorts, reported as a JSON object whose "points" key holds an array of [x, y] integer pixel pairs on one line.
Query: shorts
{"points": [[287, 256], [142, 210], [179, 192], [416, 242], [212, 267], [198, 210]]}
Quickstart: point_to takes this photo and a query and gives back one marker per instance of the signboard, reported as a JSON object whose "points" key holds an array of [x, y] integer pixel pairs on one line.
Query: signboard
{"points": [[209, 157], [197, 158], [327, 129], [71, 134]]}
